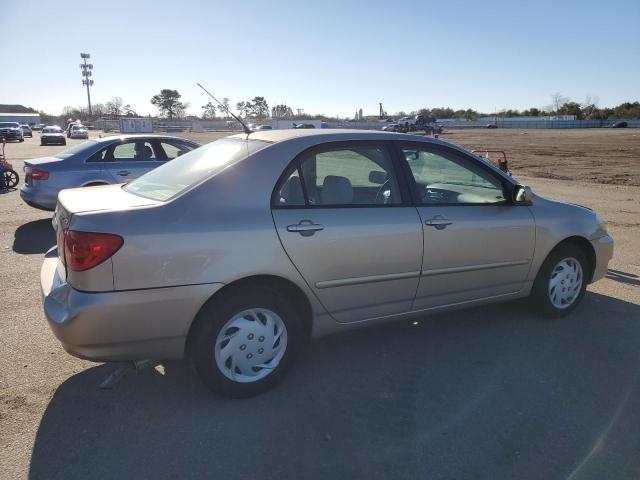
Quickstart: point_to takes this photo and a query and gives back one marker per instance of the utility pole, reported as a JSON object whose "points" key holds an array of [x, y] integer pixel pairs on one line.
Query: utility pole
{"points": [[86, 73]]}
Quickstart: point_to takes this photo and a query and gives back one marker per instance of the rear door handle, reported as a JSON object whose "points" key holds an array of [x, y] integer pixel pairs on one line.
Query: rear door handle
{"points": [[124, 173], [439, 222], [305, 228]]}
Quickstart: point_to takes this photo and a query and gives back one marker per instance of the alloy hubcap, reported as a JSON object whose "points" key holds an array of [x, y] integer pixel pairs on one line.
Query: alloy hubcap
{"points": [[565, 283], [251, 345]]}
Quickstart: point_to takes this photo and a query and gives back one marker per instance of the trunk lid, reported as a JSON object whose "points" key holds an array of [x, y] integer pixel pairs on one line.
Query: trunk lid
{"points": [[102, 197], [42, 161]]}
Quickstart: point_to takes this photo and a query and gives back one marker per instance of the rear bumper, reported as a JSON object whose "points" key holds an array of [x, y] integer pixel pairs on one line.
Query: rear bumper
{"points": [[39, 197], [603, 248], [124, 325]]}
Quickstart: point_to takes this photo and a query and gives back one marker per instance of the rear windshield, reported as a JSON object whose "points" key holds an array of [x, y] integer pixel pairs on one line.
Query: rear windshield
{"points": [[178, 175], [73, 150], [8, 125]]}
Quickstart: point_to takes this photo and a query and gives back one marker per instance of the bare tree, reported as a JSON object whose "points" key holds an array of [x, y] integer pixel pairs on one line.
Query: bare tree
{"points": [[557, 101], [114, 106], [209, 111]]}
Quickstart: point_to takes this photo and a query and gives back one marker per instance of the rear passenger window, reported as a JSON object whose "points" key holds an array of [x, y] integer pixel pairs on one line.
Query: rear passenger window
{"points": [[353, 175], [124, 152]]}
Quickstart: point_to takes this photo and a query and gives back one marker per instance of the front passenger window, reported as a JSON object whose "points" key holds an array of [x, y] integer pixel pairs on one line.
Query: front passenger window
{"points": [[444, 177]]}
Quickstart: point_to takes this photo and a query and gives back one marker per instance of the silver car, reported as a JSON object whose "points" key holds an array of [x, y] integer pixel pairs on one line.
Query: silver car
{"points": [[97, 162], [78, 131], [234, 253]]}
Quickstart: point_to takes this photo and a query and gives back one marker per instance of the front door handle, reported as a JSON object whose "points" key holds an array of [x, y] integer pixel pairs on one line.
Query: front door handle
{"points": [[305, 228], [439, 222], [124, 173]]}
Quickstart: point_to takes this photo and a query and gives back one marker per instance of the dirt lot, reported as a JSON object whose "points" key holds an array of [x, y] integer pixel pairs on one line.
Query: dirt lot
{"points": [[491, 392]]}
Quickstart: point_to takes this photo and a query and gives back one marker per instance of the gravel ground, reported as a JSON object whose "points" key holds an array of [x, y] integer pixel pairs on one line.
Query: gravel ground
{"points": [[490, 392]]}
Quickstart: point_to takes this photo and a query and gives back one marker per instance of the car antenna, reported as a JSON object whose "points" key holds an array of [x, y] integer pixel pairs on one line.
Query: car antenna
{"points": [[246, 129]]}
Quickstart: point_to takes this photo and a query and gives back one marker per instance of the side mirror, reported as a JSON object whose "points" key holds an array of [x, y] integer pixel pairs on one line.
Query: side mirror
{"points": [[378, 177], [522, 194]]}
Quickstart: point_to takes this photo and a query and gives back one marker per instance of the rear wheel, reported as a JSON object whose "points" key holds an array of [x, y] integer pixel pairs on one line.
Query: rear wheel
{"points": [[11, 178], [243, 342], [561, 281]]}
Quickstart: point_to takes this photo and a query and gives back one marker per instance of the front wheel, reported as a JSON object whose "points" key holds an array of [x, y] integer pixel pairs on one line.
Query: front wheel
{"points": [[561, 282], [243, 343]]}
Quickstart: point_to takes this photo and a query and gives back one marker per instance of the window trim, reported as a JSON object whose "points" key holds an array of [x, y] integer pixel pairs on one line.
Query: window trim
{"points": [[296, 163], [507, 187]]}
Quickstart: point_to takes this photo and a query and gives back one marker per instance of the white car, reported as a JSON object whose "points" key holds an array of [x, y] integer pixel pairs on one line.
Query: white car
{"points": [[79, 131]]}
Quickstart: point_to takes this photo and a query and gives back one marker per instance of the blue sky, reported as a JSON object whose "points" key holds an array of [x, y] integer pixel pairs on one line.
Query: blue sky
{"points": [[324, 56]]}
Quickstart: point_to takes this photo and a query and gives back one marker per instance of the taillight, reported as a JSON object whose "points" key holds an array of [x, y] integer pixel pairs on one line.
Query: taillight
{"points": [[85, 250], [37, 174]]}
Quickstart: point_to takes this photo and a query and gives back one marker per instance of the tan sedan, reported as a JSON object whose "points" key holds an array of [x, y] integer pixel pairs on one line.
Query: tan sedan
{"points": [[232, 254]]}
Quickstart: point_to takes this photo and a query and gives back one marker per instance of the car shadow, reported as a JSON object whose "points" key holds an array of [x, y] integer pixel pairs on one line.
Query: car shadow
{"points": [[34, 237], [623, 277], [489, 392]]}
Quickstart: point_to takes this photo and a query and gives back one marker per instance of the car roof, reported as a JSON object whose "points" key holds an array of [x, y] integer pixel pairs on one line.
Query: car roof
{"points": [[331, 135], [141, 135], [324, 135]]}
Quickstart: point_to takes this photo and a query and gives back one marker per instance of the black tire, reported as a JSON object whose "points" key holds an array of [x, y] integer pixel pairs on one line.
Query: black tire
{"points": [[64, 143], [21, 140], [540, 298], [11, 178], [213, 317]]}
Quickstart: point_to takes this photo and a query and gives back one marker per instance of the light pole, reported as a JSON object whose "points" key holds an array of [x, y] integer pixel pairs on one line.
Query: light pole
{"points": [[86, 73]]}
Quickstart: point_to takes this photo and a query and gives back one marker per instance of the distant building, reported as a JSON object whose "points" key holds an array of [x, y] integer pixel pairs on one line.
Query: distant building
{"points": [[28, 118]]}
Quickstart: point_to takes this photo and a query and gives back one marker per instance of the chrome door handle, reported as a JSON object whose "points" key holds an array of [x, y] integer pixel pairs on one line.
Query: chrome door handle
{"points": [[305, 228], [439, 222], [124, 173]]}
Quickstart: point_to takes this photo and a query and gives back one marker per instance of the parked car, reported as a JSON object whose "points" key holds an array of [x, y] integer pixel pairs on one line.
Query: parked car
{"points": [[52, 136], [97, 162], [407, 121], [304, 125], [390, 127], [11, 131], [619, 125], [26, 131], [261, 127], [78, 131], [233, 253]]}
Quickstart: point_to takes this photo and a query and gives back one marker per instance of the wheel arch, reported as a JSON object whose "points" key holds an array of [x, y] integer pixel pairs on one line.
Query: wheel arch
{"points": [[585, 245], [289, 288]]}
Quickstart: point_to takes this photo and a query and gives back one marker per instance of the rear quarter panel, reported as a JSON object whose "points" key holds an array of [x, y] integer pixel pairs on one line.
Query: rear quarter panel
{"points": [[219, 232]]}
